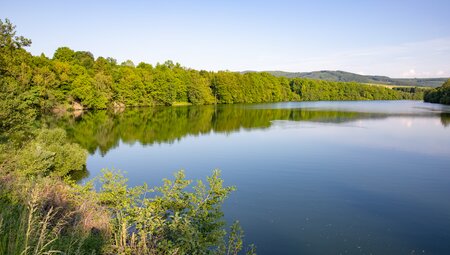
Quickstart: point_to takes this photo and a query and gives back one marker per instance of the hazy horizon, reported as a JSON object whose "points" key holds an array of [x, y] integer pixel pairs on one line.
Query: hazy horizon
{"points": [[401, 39]]}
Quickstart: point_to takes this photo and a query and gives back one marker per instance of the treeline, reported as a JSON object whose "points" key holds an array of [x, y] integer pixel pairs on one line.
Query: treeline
{"points": [[439, 95], [75, 76], [317, 90], [76, 79], [412, 89]]}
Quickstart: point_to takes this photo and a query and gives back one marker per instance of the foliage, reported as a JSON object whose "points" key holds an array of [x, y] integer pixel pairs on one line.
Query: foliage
{"points": [[17, 97], [46, 152], [172, 220], [367, 79], [50, 154], [315, 90], [439, 95], [8, 38]]}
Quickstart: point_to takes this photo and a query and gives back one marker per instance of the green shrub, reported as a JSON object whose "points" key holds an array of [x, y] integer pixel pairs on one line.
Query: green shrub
{"points": [[50, 153]]}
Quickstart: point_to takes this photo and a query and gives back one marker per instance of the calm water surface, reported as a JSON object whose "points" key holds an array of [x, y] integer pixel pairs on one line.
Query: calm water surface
{"points": [[311, 178]]}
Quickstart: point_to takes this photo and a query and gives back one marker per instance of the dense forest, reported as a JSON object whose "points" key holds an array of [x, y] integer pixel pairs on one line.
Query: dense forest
{"points": [[76, 77], [439, 95]]}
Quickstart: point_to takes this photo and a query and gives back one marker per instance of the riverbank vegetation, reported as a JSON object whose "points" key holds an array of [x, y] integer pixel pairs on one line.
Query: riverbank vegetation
{"points": [[439, 95]]}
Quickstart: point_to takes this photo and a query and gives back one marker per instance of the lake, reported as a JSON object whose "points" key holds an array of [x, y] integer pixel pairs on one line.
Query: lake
{"points": [[367, 177]]}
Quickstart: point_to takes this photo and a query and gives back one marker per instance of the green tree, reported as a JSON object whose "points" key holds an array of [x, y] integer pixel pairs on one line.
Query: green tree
{"points": [[439, 95], [64, 54], [50, 153], [84, 58], [17, 97]]}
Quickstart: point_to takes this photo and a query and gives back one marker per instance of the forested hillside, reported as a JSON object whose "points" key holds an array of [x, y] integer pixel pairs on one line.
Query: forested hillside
{"points": [[353, 77]]}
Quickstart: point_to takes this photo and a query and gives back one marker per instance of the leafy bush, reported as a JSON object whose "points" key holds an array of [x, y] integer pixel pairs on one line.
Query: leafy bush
{"points": [[168, 219], [50, 153], [439, 95]]}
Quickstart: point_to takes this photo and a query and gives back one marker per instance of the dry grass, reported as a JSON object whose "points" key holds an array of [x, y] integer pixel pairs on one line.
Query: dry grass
{"points": [[85, 211], [48, 216], [25, 230]]}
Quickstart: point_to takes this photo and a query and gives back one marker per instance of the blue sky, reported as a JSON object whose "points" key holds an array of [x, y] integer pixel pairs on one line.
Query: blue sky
{"points": [[395, 38]]}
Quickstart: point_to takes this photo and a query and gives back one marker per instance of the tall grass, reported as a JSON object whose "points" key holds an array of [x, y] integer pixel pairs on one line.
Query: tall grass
{"points": [[25, 231], [33, 229]]}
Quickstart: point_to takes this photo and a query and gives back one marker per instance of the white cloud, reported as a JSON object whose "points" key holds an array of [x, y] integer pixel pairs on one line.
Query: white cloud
{"points": [[410, 73]]}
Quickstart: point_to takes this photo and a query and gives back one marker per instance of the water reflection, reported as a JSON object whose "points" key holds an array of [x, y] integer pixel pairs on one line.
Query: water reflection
{"points": [[445, 119], [102, 130]]}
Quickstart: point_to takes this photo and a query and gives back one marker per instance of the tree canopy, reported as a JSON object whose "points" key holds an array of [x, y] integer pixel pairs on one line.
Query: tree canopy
{"points": [[72, 76], [439, 95]]}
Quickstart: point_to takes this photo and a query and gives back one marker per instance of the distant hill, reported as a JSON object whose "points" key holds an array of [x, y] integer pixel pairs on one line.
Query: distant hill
{"points": [[352, 77]]}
